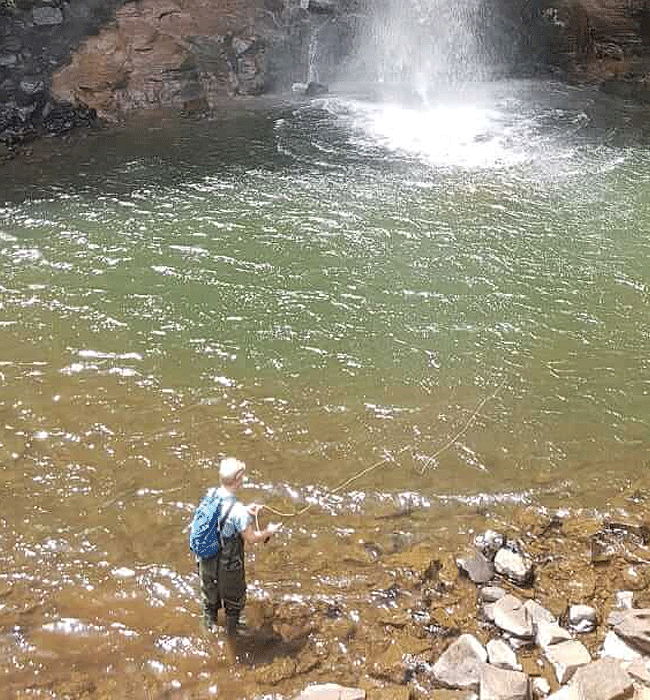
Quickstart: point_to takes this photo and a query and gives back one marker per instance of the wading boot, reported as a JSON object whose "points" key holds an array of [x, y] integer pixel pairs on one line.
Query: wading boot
{"points": [[231, 637]]}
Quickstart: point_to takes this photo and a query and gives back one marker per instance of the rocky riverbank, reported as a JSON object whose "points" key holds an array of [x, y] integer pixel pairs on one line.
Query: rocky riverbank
{"points": [[555, 607]]}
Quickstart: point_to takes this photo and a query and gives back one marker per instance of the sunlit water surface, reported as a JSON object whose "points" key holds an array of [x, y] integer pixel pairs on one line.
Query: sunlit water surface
{"points": [[454, 290]]}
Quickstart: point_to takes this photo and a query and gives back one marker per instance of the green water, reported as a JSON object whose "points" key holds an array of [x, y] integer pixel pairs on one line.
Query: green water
{"points": [[308, 299], [457, 295]]}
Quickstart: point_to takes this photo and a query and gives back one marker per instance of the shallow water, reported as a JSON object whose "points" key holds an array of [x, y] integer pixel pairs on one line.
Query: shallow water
{"points": [[456, 292]]}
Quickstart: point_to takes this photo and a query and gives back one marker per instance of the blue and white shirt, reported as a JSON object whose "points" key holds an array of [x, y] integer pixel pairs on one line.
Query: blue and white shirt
{"points": [[238, 519]]}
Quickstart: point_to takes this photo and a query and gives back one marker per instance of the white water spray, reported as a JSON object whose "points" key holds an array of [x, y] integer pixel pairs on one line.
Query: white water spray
{"points": [[422, 48]]}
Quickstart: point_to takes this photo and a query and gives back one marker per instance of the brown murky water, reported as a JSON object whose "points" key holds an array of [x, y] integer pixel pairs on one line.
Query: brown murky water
{"points": [[288, 287]]}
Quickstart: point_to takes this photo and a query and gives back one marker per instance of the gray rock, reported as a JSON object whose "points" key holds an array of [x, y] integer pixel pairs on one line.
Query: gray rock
{"points": [[511, 615], [8, 59], [325, 7], [539, 687], [638, 671], [501, 655], [460, 664], [490, 594], [604, 679], [538, 613], [549, 633], [582, 618], [634, 627], [565, 693], [617, 648], [500, 684], [478, 568], [625, 599], [241, 46], [566, 658], [488, 612], [44, 16], [489, 543], [331, 691], [514, 566], [32, 86]]}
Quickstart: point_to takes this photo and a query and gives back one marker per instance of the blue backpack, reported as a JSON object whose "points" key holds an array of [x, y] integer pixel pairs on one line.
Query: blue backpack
{"points": [[205, 530]]}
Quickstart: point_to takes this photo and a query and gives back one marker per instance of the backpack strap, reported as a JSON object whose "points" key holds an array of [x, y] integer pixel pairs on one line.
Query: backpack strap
{"points": [[223, 520]]}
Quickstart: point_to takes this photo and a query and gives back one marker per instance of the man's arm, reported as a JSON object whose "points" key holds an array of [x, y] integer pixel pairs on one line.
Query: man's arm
{"points": [[253, 536]]}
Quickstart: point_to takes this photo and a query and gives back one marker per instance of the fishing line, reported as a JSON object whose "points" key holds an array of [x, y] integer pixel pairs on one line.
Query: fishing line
{"points": [[392, 458]]}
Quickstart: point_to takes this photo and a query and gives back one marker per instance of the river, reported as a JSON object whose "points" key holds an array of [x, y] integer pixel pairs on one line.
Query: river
{"points": [[448, 299]]}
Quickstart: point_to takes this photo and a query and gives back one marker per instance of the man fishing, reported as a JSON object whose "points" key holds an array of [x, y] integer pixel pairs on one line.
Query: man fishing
{"points": [[219, 530]]}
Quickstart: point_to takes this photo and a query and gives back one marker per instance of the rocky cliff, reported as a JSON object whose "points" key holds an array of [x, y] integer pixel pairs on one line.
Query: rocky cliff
{"points": [[601, 41], [62, 62]]}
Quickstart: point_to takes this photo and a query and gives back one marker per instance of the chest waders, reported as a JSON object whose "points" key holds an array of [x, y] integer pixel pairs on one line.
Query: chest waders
{"points": [[232, 580]]}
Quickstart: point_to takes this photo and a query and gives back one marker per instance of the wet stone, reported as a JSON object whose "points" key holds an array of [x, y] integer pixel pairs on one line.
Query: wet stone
{"points": [[459, 665], [582, 618], [617, 648], [512, 617], [501, 655], [538, 613], [566, 658], [331, 691], [638, 671], [565, 693], [634, 628], [478, 568], [501, 684], [47, 16], [488, 612], [549, 633], [490, 542], [514, 566], [540, 687], [490, 594]]}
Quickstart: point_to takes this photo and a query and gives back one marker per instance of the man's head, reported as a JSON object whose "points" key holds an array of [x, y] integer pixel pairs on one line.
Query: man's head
{"points": [[231, 471]]}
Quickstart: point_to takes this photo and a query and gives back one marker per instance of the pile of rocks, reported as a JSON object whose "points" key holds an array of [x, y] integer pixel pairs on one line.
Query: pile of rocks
{"points": [[527, 652]]}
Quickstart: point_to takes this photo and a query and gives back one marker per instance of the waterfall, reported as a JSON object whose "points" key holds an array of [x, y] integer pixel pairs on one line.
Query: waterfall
{"points": [[424, 46]]}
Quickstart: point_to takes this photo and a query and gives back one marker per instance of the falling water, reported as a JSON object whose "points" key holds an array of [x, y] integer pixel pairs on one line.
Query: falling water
{"points": [[424, 45]]}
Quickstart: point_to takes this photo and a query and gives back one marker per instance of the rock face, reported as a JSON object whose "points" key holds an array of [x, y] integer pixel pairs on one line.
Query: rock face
{"points": [[168, 53], [35, 37], [63, 62], [600, 41]]}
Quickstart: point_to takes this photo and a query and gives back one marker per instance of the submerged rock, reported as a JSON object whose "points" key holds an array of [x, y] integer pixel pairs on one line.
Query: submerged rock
{"points": [[477, 566]]}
